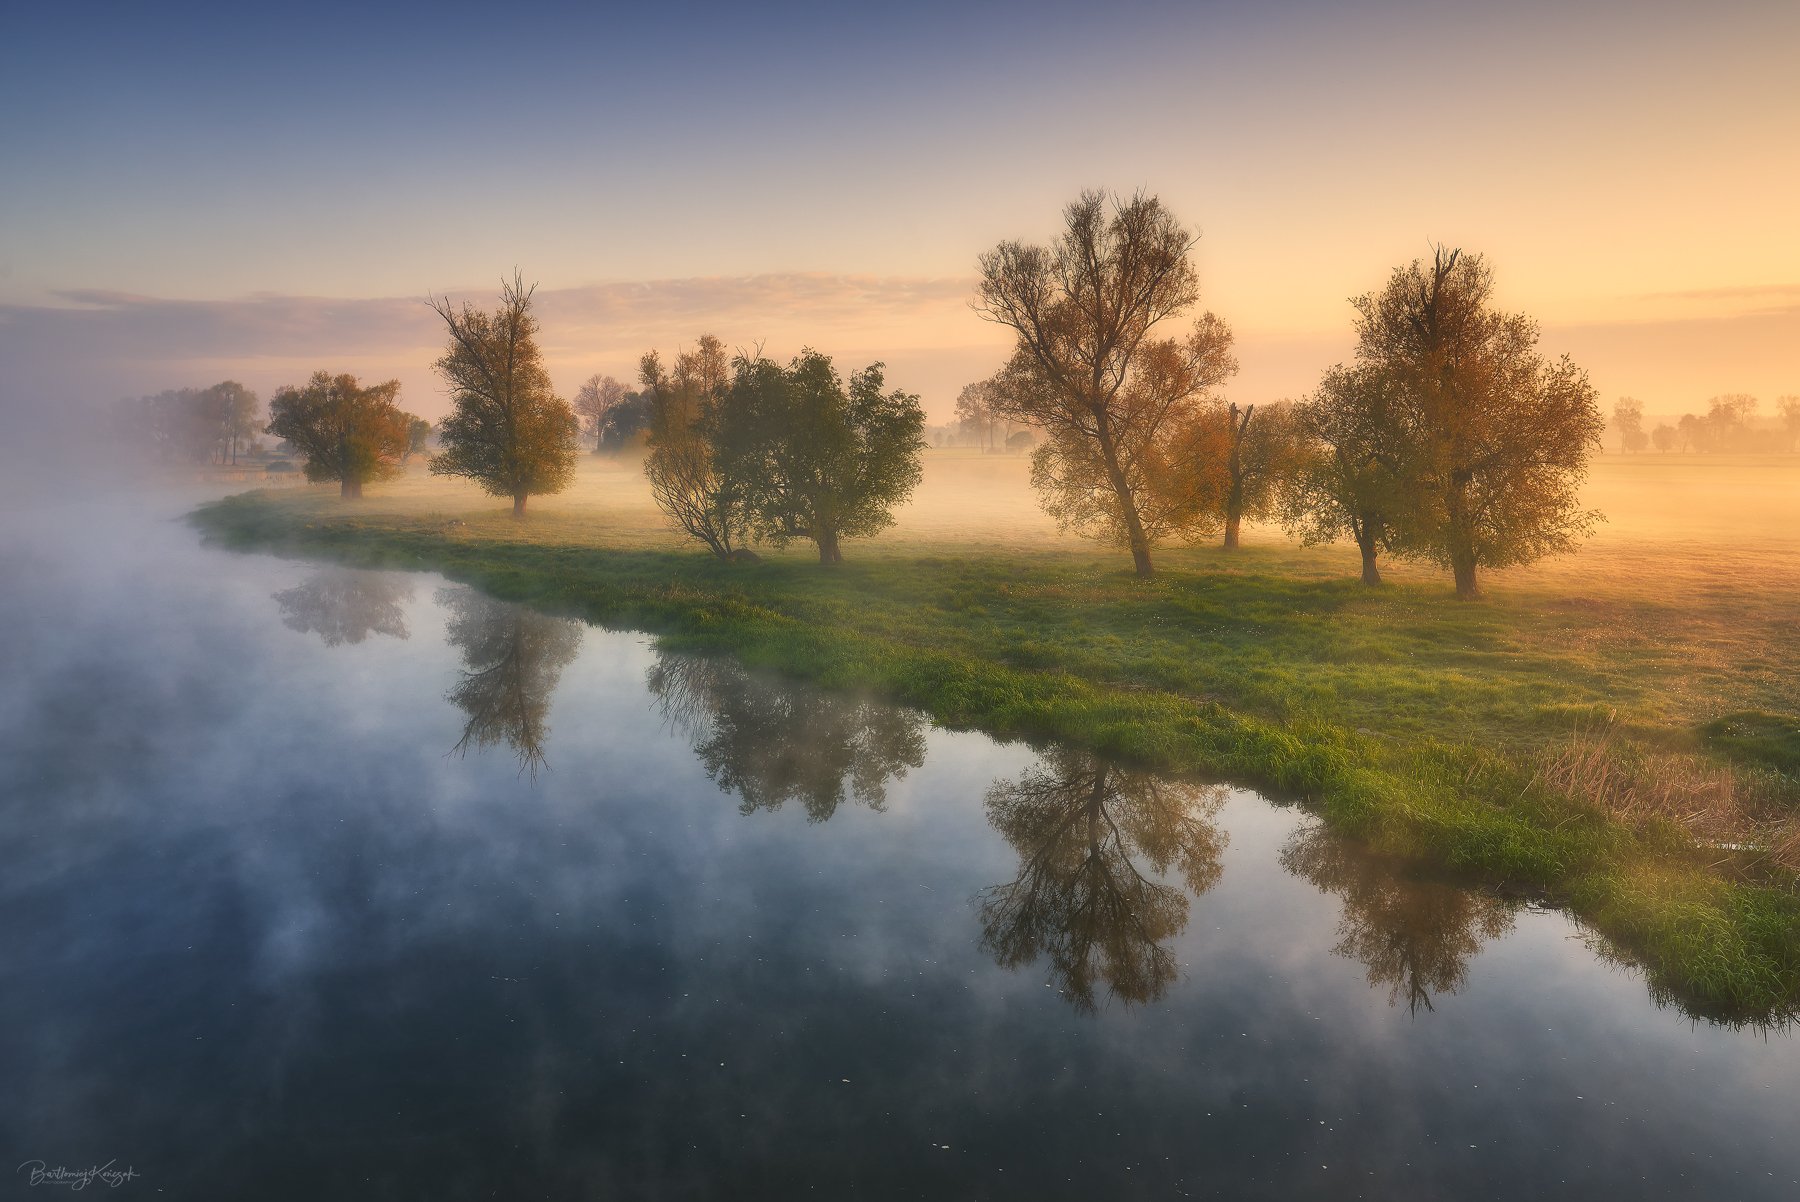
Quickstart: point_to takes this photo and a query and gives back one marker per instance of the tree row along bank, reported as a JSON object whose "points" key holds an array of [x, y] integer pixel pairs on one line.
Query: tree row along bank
{"points": [[1189, 674]]}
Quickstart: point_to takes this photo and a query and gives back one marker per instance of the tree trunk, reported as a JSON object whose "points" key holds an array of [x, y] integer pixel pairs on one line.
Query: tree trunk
{"points": [[1234, 464], [1461, 537], [1462, 566], [519, 504], [350, 488], [828, 547], [1371, 575], [1134, 525]]}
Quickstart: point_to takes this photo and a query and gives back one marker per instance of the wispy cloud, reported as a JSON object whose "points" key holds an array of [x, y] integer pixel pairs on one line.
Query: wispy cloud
{"points": [[103, 343], [1738, 292]]}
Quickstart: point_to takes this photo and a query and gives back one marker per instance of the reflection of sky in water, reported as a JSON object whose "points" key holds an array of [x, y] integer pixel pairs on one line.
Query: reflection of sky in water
{"points": [[267, 935]]}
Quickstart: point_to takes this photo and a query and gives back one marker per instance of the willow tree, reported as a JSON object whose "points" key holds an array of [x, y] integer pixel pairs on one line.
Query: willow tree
{"points": [[1789, 409], [1262, 450], [1347, 479], [1110, 397], [809, 457], [683, 470], [507, 431], [235, 408], [595, 400], [1498, 437], [348, 433]]}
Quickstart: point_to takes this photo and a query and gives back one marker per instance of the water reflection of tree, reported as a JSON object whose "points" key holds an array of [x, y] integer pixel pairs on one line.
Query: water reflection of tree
{"points": [[1082, 828], [1414, 936], [344, 605], [772, 741], [512, 659]]}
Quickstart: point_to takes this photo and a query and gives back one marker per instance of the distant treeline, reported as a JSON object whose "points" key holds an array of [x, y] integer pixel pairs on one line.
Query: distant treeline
{"points": [[1729, 426], [1449, 439], [191, 425]]}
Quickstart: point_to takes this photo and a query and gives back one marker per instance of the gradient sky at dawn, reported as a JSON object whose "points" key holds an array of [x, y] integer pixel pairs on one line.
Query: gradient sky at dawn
{"points": [[189, 192]]}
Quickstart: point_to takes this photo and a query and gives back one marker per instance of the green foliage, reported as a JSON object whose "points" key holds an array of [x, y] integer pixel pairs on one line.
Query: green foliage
{"points": [[507, 431], [808, 458], [348, 433]]}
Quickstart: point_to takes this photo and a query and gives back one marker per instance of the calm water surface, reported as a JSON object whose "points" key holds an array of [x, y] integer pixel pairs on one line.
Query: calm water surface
{"points": [[332, 884]]}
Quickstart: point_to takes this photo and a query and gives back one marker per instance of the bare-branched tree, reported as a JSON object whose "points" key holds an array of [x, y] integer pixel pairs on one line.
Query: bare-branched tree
{"points": [[597, 397]]}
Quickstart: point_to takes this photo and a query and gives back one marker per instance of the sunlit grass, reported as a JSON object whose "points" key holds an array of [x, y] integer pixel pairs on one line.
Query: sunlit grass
{"points": [[1417, 721]]}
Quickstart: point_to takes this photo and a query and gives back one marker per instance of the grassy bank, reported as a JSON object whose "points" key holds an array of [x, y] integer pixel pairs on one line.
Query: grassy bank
{"points": [[1413, 721]]}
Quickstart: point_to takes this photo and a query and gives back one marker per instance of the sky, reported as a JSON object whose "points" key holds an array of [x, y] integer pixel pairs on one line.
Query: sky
{"points": [[193, 192]]}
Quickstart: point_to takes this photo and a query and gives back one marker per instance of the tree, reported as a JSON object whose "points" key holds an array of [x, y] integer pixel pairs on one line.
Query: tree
{"points": [[1628, 416], [1499, 439], [682, 467], [593, 401], [1347, 478], [508, 430], [237, 412], [1109, 397], [1692, 431], [348, 433], [1789, 408], [975, 413], [1664, 437], [626, 423], [418, 437], [192, 424], [1262, 449], [808, 458], [1729, 422], [1079, 826]]}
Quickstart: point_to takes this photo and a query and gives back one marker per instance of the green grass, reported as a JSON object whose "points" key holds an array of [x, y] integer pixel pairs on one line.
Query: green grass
{"points": [[1402, 716], [1766, 740]]}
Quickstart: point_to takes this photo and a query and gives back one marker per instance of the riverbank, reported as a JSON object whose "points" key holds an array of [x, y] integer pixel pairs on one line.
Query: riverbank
{"points": [[1419, 724]]}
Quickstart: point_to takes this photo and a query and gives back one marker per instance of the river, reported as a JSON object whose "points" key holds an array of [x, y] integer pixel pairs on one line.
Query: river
{"points": [[339, 884]]}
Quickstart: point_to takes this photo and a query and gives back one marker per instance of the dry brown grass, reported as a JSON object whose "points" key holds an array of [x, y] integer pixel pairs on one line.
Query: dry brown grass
{"points": [[1716, 805]]}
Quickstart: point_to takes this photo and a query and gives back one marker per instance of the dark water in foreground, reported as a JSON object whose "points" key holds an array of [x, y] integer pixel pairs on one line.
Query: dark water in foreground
{"points": [[325, 884]]}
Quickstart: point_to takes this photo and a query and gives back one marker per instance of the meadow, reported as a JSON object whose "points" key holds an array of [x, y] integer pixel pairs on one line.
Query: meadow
{"points": [[1617, 731]]}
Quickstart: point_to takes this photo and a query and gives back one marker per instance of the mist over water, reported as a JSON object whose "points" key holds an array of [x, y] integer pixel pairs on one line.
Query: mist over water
{"points": [[333, 883]]}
